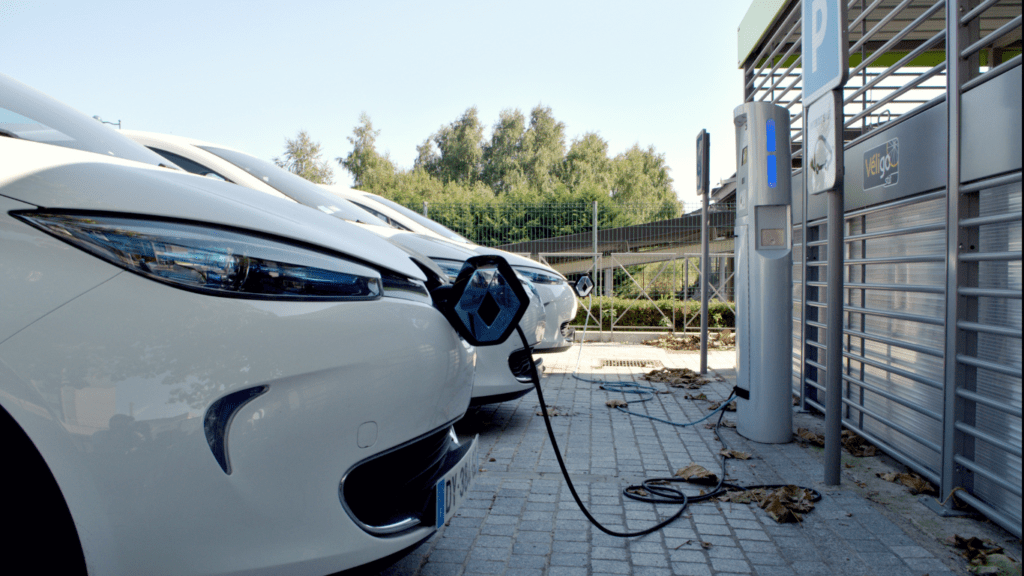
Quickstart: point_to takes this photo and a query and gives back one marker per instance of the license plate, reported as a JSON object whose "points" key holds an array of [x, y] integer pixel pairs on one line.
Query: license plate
{"points": [[454, 487]]}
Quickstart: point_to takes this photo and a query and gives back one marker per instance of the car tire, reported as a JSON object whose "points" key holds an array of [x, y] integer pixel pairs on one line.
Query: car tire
{"points": [[41, 535]]}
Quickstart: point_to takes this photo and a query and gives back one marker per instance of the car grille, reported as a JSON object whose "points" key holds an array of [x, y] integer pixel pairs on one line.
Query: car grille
{"points": [[397, 488]]}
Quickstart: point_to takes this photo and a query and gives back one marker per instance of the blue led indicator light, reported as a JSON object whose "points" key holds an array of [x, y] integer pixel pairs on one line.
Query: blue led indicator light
{"points": [[772, 171], [770, 135]]}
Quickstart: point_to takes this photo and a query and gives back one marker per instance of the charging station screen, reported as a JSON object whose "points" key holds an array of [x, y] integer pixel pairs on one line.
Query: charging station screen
{"points": [[772, 171]]}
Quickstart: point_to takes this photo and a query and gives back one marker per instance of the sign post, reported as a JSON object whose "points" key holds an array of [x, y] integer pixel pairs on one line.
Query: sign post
{"points": [[825, 71], [703, 189]]}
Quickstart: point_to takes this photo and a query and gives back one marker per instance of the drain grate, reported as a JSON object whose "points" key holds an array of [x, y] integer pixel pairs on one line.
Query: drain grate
{"points": [[631, 363]]}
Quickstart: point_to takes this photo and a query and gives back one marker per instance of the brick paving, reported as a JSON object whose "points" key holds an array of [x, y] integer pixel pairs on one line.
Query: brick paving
{"points": [[521, 520]]}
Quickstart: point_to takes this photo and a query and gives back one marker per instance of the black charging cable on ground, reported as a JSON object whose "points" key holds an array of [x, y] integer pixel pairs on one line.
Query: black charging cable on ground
{"points": [[659, 490]]}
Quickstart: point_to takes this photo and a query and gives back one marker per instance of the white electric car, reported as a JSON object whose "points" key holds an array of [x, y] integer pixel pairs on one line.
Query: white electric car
{"points": [[560, 304], [502, 371], [199, 379]]}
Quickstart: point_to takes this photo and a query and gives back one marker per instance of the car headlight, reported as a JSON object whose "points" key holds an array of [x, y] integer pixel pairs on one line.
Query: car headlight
{"points": [[214, 260], [530, 288], [539, 276], [450, 267]]}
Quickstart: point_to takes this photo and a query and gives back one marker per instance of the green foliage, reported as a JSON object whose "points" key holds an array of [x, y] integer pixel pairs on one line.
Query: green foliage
{"points": [[460, 150], [502, 157], [646, 313], [586, 166], [370, 170], [641, 182], [543, 150], [302, 157], [499, 190]]}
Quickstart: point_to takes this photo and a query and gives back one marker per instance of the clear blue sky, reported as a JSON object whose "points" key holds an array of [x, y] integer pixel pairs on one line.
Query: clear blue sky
{"points": [[251, 74]]}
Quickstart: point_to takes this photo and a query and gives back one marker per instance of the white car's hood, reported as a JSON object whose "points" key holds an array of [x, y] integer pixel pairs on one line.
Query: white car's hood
{"points": [[428, 245], [515, 259], [60, 178]]}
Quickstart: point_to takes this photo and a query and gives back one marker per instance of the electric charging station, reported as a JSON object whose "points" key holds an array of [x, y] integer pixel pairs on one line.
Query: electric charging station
{"points": [[764, 273]]}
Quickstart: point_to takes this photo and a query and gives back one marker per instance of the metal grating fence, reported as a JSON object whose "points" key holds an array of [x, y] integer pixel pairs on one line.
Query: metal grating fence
{"points": [[932, 277], [645, 266]]}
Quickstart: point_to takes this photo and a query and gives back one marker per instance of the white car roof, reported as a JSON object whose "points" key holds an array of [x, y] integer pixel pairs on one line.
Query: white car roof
{"points": [[186, 147], [414, 226], [235, 165], [28, 114]]}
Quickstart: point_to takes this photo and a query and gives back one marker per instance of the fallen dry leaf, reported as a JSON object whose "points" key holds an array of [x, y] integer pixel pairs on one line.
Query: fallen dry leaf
{"points": [[700, 396], [728, 424], [697, 474], [552, 412], [984, 556], [734, 454], [784, 505], [705, 545], [731, 407], [917, 484], [856, 445], [637, 490], [723, 339], [676, 378], [811, 437], [781, 513], [615, 403]]}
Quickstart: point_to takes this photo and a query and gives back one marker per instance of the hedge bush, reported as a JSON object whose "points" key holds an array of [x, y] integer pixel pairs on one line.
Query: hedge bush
{"points": [[645, 313]]}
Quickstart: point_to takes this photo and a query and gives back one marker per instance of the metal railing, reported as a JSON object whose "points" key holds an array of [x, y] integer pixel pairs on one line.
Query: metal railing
{"points": [[932, 306]]}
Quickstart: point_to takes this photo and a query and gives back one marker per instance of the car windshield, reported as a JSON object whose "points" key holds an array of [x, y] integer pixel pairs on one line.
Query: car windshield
{"points": [[28, 114], [296, 187], [394, 223], [421, 220]]}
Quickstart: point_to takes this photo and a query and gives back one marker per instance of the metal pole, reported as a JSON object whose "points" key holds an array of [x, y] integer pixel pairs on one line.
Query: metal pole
{"points": [[600, 306], [956, 375], [705, 250], [804, 199], [834, 338], [425, 211]]}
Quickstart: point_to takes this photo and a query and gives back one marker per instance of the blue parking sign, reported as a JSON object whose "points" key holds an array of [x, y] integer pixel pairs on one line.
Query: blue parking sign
{"points": [[825, 47]]}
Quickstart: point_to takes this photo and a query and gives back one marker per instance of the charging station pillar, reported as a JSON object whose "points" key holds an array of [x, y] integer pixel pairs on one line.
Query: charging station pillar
{"points": [[764, 273]]}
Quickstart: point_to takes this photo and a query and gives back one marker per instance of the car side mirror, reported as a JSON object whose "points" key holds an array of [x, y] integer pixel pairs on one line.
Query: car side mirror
{"points": [[486, 301], [583, 287]]}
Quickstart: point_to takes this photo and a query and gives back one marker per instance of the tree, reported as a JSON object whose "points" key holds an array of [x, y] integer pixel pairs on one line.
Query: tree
{"points": [[371, 171], [587, 165], [642, 185], [302, 157], [543, 149], [502, 157], [460, 150]]}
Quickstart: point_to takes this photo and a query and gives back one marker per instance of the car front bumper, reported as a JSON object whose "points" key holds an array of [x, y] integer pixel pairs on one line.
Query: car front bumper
{"points": [[114, 385]]}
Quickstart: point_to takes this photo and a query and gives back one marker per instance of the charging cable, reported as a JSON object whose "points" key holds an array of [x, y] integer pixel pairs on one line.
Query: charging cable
{"points": [[651, 490]]}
